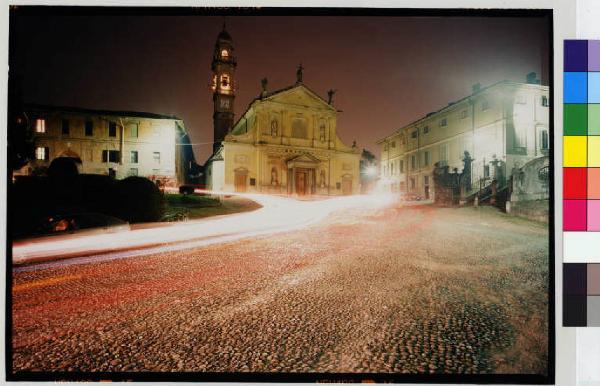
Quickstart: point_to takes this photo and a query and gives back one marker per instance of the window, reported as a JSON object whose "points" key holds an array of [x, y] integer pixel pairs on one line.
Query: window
{"points": [[393, 144], [89, 128], [426, 130], [225, 82], [486, 171], [485, 105], [322, 132], [545, 101], [412, 183], [392, 168], [401, 166], [42, 153], [224, 54], [110, 156], [385, 147], [426, 180], [133, 172], [112, 129], [133, 157], [520, 139], [444, 122], [413, 162], [133, 130], [414, 134], [40, 125], [544, 140], [463, 114], [65, 127], [156, 156], [444, 152], [426, 158]]}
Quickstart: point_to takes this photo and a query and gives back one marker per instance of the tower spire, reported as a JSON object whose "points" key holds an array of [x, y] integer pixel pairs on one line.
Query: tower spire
{"points": [[223, 86]]}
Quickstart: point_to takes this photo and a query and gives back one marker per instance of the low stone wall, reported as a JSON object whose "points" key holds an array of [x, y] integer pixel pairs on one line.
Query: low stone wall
{"points": [[537, 210]]}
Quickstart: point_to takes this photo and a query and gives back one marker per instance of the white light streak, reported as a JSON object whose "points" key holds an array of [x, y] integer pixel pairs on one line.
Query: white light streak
{"points": [[278, 214]]}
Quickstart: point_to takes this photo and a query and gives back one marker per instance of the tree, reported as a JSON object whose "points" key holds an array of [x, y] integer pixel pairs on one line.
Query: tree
{"points": [[20, 137]]}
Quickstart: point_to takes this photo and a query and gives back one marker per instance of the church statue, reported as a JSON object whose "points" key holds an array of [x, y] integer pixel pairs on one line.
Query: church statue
{"points": [[299, 73], [330, 94], [263, 84], [274, 181], [322, 178], [274, 128]]}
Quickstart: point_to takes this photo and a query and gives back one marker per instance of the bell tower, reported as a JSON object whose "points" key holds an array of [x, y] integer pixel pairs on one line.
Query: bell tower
{"points": [[223, 87]]}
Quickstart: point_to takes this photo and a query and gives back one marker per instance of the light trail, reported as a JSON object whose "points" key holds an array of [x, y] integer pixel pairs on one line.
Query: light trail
{"points": [[278, 214]]}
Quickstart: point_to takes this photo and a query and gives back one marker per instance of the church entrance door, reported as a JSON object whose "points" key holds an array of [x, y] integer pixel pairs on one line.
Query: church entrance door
{"points": [[240, 181], [301, 181], [347, 186]]}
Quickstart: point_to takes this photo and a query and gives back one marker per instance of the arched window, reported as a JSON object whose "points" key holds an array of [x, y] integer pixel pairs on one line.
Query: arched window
{"points": [[224, 54]]}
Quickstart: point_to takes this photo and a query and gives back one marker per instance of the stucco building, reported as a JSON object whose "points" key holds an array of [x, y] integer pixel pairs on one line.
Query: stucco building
{"points": [[115, 143], [285, 142], [502, 127]]}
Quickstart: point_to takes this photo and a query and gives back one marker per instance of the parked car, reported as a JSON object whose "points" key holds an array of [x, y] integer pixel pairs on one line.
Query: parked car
{"points": [[79, 223]]}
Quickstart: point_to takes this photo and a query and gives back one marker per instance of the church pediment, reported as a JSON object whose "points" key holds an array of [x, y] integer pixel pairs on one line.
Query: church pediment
{"points": [[303, 160], [301, 96]]}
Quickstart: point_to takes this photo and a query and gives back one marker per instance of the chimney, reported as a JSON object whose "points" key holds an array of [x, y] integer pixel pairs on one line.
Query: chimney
{"points": [[476, 87]]}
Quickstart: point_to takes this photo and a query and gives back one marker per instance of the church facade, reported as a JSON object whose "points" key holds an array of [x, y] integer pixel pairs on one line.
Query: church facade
{"points": [[286, 141]]}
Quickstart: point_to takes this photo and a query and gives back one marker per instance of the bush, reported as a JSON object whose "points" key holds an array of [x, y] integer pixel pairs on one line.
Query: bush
{"points": [[138, 200]]}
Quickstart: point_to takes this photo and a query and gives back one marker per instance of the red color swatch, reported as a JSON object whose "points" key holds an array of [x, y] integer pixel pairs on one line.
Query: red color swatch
{"points": [[575, 183]]}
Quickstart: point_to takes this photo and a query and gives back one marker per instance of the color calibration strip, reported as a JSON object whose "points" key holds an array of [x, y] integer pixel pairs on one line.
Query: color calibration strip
{"points": [[581, 295], [581, 151]]}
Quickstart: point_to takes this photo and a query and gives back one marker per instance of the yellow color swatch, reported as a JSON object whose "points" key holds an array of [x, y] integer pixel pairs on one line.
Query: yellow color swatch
{"points": [[593, 151], [575, 151]]}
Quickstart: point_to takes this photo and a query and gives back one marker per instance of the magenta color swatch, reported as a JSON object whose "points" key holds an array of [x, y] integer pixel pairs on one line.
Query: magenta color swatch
{"points": [[593, 215], [594, 55], [574, 215]]}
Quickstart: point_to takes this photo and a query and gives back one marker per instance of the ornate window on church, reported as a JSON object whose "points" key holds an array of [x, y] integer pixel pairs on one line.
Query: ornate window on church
{"points": [[299, 128], [274, 128], [224, 54]]}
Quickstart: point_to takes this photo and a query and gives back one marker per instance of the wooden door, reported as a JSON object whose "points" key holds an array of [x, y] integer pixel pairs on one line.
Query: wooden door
{"points": [[300, 183], [240, 182], [347, 186]]}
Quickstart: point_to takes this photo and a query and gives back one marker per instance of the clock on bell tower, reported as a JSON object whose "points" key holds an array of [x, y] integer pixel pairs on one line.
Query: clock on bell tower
{"points": [[223, 87]]}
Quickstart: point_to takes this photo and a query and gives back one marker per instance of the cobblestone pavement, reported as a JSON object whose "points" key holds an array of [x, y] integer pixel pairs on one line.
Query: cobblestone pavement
{"points": [[406, 290]]}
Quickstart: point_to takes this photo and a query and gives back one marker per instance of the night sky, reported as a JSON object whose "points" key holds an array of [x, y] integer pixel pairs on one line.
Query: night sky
{"points": [[388, 71]]}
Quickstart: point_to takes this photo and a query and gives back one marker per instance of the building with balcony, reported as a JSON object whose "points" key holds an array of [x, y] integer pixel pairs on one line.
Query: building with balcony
{"points": [[501, 127]]}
